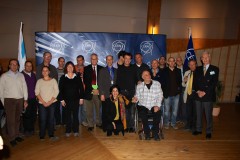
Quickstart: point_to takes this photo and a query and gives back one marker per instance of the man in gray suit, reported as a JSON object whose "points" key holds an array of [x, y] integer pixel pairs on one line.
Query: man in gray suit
{"points": [[106, 78]]}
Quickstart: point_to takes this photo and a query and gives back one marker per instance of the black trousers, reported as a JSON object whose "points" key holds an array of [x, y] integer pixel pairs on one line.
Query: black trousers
{"points": [[104, 120], [143, 114], [30, 115], [57, 114], [191, 113], [72, 122]]}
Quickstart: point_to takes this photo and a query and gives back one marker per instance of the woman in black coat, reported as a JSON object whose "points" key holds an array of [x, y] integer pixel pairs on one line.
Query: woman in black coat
{"points": [[115, 113]]}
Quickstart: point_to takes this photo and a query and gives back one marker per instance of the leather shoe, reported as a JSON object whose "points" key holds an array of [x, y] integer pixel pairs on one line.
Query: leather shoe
{"points": [[19, 139], [147, 137], [13, 143], [90, 128], [208, 136], [196, 133], [131, 130]]}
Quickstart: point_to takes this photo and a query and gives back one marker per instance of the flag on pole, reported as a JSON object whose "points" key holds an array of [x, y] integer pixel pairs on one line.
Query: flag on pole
{"points": [[21, 50], [190, 54]]}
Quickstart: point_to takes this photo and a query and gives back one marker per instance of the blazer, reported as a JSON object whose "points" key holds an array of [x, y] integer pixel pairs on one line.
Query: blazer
{"points": [[166, 81], [87, 79], [104, 81], [206, 83]]}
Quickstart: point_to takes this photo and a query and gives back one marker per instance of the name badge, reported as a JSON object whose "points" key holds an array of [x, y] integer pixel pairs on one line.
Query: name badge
{"points": [[112, 82], [212, 73]]}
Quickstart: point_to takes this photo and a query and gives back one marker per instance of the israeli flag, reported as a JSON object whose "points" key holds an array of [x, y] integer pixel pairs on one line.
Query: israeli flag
{"points": [[21, 50], [190, 54]]}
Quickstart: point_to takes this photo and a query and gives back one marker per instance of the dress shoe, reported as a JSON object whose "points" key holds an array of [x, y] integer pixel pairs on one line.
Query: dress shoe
{"points": [[90, 128], [109, 133], [13, 143], [147, 137], [131, 130], [208, 136], [19, 139], [196, 133], [156, 137]]}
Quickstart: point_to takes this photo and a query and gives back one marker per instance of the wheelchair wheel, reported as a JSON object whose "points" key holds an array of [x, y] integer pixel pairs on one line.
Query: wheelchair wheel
{"points": [[136, 119]]}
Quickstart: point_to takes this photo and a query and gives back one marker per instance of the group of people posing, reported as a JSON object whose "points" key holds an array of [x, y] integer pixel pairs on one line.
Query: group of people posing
{"points": [[106, 97]]}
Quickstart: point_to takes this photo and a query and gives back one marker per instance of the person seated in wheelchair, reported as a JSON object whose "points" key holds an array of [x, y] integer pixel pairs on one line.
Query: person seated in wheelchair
{"points": [[115, 113], [149, 97]]}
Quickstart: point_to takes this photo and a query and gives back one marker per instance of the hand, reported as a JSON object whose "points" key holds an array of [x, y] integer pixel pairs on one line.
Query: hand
{"points": [[49, 103], [114, 126], [185, 79], [44, 104], [102, 98], [25, 104], [156, 109], [81, 101], [63, 103], [134, 100], [95, 92]]}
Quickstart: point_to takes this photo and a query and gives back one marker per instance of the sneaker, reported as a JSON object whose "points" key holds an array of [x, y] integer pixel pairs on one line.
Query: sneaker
{"points": [[175, 127], [85, 124], [76, 134], [54, 138], [67, 134], [42, 139], [166, 127]]}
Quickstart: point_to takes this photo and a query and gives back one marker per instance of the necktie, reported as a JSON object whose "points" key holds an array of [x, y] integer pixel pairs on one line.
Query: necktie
{"points": [[189, 89], [94, 76], [204, 70]]}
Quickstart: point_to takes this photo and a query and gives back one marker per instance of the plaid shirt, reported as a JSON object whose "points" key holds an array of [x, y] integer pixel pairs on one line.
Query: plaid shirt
{"points": [[149, 97]]}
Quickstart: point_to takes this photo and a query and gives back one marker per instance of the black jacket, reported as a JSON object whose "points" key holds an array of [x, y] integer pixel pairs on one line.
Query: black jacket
{"points": [[206, 83]]}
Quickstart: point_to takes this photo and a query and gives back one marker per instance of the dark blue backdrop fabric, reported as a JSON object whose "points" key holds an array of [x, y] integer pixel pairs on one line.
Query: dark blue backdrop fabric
{"points": [[70, 45]]}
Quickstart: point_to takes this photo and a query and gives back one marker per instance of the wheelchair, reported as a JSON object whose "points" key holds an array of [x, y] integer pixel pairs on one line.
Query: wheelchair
{"points": [[139, 127]]}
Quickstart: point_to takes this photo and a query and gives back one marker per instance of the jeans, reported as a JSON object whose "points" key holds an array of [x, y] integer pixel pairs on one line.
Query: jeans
{"points": [[46, 120], [171, 102]]}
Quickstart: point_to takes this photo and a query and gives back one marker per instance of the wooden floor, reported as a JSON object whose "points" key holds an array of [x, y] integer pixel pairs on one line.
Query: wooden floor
{"points": [[178, 144]]}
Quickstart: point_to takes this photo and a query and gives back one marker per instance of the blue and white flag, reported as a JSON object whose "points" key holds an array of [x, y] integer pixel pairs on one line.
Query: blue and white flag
{"points": [[21, 50], [190, 54]]}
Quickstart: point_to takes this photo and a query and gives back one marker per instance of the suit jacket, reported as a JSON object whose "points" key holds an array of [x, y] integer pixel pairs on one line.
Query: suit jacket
{"points": [[87, 78], [166, 81], [206, 83], [104, 81]]}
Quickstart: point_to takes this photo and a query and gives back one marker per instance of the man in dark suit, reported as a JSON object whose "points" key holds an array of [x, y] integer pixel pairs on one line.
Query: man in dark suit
{"points": [[107, 77], [205, 83], [91, 95]]}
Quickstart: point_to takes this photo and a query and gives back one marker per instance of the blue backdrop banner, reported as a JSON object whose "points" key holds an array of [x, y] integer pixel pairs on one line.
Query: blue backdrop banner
{"points": [[70, 45]]}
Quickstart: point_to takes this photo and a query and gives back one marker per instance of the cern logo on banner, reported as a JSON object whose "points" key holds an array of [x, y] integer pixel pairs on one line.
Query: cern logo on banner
{"points": [[118, 45], [146, 47], [89, 46], [190, 54], [56, 45]]}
